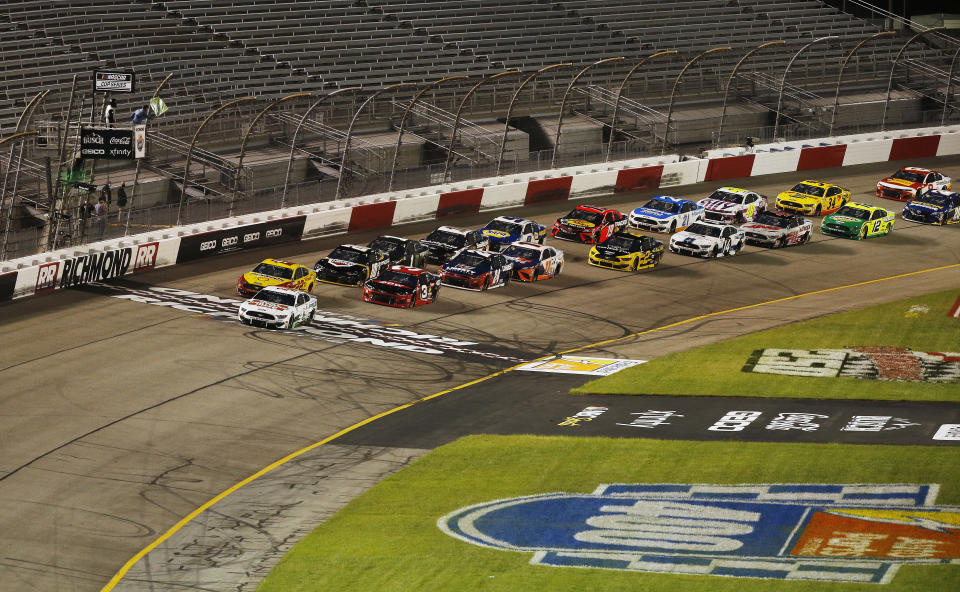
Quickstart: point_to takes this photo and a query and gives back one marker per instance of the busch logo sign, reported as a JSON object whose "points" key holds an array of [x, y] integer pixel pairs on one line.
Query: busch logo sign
{"points": [[843, 533]]}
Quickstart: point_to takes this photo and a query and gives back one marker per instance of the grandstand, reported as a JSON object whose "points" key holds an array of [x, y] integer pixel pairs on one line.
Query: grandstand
{"points": [[220, 50]]}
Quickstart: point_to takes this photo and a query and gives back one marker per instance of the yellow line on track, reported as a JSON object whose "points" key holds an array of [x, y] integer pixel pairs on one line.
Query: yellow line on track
{"points": [[133, 560]]}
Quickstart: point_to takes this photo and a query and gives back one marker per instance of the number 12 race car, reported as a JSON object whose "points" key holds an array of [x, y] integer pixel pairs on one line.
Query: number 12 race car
{"points": [[476, 270], [859, 221], [402, 287], [911, 182]]}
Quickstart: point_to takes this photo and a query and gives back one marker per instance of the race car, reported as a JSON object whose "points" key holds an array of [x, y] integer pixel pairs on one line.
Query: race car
{"points": [[588, 224], [446, 242], [708, 239], [859, 221], [474, 269], [625, 251], [911, 182], [274, 272], [732, 205], [935, 207], [504, 230], [401, 251], [350, 265], [532, 261], [276, 307], [401, 286], [666, 214], [813, 198], [775, 229]]}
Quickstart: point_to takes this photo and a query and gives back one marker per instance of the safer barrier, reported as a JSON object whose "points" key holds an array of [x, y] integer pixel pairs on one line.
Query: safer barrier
{"points": [[136, 254]]}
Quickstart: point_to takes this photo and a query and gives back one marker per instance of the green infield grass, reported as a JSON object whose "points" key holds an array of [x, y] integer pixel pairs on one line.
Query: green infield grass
{"points": [[388, 539], [919, 323]]}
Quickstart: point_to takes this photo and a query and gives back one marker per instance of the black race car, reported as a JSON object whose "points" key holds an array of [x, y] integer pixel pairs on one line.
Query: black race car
{"points": [[447, 242], [401, 251], [350, 265]]}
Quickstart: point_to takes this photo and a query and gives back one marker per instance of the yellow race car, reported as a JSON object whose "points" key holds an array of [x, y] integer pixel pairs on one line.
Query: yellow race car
{"points": [[627, 251], [274, 272], [813, 198]]}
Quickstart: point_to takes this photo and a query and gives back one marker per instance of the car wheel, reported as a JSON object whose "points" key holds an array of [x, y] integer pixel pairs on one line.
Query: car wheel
{"points": [[739, 218], [673, 226], [309, 320], [716, 251], [486, 284], [817, 211], [436, 294], [863, 233], [412, 302], [541, 239], [781, 242]]}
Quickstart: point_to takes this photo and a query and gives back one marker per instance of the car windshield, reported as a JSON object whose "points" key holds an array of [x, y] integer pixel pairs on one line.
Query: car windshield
{"points": [[704, 229], [276, 297], [626, 243], [771, 219], [662, 206], [387, 245], [587, 215], [397, 277], [935, 199], [270, 270], [345, 254], [446, 237], [807, 189], [522, 252], [909, 176], [504, 225], [727, 196], [468, 259], [854, 212]]}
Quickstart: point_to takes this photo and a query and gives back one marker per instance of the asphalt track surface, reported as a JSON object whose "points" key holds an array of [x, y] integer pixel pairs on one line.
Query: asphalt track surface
{"points": [[120, 418]]}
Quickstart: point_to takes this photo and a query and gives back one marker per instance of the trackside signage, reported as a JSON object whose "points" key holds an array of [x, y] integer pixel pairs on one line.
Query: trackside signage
{"points": [[113, 81], [839, 533], [208, 244], [111, 144], [95, 267]]}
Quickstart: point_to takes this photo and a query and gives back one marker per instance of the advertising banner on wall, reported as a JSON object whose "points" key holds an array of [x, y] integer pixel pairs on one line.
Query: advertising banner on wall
{"points": [[217, 242], [111, 144]]}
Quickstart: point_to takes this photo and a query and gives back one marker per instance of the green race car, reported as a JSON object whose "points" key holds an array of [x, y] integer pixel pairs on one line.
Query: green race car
{"points": [[858, 221]]}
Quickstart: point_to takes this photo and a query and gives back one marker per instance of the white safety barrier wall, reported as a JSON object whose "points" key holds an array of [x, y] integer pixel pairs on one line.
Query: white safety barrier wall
{"points": [[139, 253]]}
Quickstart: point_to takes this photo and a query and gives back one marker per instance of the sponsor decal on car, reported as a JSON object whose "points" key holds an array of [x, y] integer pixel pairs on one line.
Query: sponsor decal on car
{"points": [[580, 365], [865, 362], [804, 531]]}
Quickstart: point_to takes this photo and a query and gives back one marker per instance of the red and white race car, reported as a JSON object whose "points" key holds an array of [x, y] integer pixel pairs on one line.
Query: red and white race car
{"points": [[402, 287], [911, 182]]}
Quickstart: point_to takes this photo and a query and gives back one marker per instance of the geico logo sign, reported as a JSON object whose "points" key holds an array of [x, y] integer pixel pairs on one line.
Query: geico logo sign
{"points": [[229, 241], [735, 421], [208, 245], [146, 257], [47, 277], [251, 236], [274, 232]]}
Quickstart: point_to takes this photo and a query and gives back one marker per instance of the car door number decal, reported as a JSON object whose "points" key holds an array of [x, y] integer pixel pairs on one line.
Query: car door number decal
{"points": [[424, 292], [876, 225]]}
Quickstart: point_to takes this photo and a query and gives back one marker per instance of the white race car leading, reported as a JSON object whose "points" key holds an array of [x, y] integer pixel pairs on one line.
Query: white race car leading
{"points": [[666, 214], [732, 205], [707, 239], [278, 308]]}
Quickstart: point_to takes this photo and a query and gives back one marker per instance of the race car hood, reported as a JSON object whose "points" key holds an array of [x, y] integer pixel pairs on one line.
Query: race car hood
{"points": [[437, 247], [651, 213], [500, 236], [264, 306], [391, 287], [577, 224], [844, 220], [521, 262], [719, 205], [899, 183], [338, 264], [693, 239], [799, 197], [264, 280], [762, 228], [464, 269], [611, 252], [922, 206]]}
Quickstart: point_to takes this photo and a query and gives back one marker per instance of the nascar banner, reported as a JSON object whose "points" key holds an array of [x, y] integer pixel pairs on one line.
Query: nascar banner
{"points": [[112, 81]]}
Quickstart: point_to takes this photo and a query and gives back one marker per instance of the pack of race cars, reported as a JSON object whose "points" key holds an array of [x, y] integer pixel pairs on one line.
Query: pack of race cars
{"points": [[392, 270]]}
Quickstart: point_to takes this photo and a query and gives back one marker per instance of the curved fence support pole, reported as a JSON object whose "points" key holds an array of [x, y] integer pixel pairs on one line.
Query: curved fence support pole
{"points": [[783, 81], [673, 93], [946, 97], [616, 104], [293, 144], [843, 66], [563, 102], [893, 66], [18, 137], [733, 73], [516, 93]]}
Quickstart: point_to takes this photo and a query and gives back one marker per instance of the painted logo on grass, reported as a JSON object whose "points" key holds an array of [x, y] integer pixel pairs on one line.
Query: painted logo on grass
{"points": [[841, 533], [866, 362]]}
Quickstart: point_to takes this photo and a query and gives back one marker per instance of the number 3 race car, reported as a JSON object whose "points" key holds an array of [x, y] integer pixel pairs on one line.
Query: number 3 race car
{"points": [[935, 207], [532, 262], [666, 214], [859, 221], [911, 182], [732, 205], [626, 251], [274, 272], [402, 287], [275, 307], [589, 224], [350, 265], [772, 229], [477, 270], [813, 198], [705, 239], [506, 229]]}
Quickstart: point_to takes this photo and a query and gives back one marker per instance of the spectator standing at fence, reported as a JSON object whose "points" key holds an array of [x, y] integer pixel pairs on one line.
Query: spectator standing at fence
{"points": [[121, 200], [107, 193], [109, 113], [101, 212], [140, 115]]}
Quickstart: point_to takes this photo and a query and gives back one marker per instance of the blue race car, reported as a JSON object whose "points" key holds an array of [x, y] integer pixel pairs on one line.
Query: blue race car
{"points": [[666, 214], [506, 229], [474, 269], [936, 206]]}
